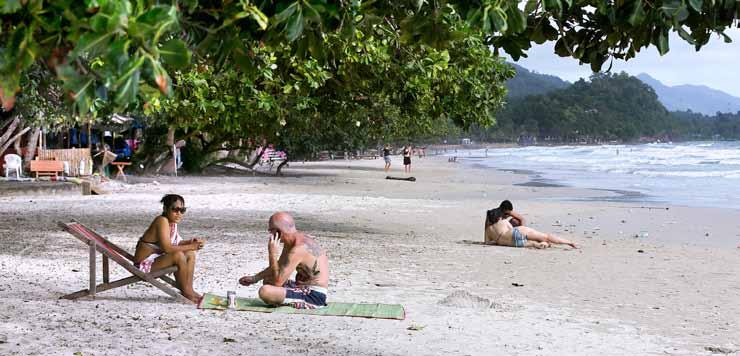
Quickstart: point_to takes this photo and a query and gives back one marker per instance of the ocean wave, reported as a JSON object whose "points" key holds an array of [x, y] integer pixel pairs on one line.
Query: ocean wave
{"points": [[689, 174]]}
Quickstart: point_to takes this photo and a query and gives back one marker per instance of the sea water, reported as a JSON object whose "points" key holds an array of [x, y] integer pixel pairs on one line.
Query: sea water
{"points": [[705, 174]]}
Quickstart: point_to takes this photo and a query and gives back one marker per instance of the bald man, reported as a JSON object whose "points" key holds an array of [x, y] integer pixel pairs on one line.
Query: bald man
{"points": [[301, 254]]}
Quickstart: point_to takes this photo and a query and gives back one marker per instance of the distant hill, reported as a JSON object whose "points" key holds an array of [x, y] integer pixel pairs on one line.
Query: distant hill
{"points": [[527, 83], [697, 98]]}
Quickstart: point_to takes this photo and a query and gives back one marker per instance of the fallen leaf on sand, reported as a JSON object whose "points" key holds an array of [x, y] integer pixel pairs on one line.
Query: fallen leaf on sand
{"points": [[226, 339], [517, 284], [416, 327], [640, 251]]}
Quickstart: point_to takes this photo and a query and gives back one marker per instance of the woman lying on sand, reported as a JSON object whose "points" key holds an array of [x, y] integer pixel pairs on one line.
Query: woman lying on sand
{"points": [[161, 246], [499, 231]]}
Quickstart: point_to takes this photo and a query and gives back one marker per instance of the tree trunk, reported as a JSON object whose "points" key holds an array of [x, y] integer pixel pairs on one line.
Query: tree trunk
{"points": [[9, 142], [33, 139], [4, 138]]}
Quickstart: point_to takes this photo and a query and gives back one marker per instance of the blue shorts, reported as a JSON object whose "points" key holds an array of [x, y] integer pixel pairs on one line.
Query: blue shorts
{"points": [[387, 159], [304, 297], [518, 239]]}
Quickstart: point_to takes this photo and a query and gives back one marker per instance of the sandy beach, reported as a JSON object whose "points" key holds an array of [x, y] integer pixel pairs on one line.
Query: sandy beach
{"points": [[674, 292]]}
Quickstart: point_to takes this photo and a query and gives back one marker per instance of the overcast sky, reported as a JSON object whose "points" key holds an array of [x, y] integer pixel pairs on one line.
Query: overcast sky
{"points": [[716, 65]]}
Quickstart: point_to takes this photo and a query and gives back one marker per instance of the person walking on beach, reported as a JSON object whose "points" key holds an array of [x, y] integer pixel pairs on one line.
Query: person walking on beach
{"points": [[300, 254], [407, 159], [387, 157], [161, 246], [499, 231]]}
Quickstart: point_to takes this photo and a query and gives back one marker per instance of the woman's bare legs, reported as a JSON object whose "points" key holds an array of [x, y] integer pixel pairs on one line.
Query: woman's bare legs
{"points": [[535, 235], [185, 263]]}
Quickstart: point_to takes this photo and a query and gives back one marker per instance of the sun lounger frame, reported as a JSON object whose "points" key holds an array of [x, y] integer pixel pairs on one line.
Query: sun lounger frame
{"points": [[110, 251]]}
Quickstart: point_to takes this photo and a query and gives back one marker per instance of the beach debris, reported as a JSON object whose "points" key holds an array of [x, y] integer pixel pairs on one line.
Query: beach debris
{"points": [[228, 339], [3, 339], [640, 251], [719, 350], [463, 299], [75, 270], [409, 179], [386, 285], [416, 327], [515, 284]]}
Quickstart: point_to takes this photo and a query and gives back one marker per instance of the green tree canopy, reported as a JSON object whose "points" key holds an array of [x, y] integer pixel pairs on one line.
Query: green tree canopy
{"points": [[112, 50]]}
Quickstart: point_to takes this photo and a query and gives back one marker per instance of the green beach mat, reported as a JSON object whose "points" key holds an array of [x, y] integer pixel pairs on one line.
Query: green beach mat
{"points": [[377, 311]]}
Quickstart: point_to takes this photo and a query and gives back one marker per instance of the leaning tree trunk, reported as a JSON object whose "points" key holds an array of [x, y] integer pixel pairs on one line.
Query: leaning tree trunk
{"points": [[33, 140], [8, 132], [12, 140]]}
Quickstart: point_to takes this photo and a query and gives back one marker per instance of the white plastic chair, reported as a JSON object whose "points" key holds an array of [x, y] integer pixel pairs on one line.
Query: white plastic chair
{"points": [[13, 162]]}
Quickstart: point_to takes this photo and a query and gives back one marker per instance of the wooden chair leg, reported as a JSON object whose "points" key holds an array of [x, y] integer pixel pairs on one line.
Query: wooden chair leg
{"points": [[106, 277], [92, 269]]}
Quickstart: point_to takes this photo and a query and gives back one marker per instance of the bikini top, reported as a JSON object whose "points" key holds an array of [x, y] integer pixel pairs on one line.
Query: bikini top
{"points": [[175, 239]]}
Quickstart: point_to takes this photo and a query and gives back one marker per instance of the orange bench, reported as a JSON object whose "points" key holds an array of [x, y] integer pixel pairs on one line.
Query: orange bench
{"points": [[47, 167]]}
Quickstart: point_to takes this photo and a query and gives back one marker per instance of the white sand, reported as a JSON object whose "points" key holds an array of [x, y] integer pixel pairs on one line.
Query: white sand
{"points": [[389, 241]]}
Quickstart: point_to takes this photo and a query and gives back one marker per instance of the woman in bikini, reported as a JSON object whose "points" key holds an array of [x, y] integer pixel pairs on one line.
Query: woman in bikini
{"points": [[161, 246], [499, 231]]}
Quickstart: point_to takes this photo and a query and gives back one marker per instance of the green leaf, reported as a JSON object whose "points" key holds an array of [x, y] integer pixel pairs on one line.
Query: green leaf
{"points": [[294, 27], [561, 49], [498, 18], [160, 77], [726, 37], [531, 6], [663, 43], [282, 16], [128, 89], [696, 5], [516, 19], [637, 15], [670, 7], [9, 6], [685, 35], [175, 53], [554, 6], [91, 43]]}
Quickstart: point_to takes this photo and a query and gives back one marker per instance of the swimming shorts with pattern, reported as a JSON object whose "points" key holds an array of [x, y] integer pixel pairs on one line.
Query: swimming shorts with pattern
{"points": [[303, 296], [518, 239]]}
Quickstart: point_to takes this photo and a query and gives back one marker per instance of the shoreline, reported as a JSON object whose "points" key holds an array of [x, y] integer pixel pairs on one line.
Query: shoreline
{"points": [[411, 243]]}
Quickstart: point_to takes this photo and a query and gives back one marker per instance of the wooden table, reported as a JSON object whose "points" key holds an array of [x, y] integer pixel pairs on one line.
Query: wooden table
{"points": [[121, 166]]}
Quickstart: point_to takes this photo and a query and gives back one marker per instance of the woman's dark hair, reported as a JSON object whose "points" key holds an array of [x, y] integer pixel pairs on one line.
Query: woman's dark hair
{"points": [[506, 206], [494, 215], [169, 200]]}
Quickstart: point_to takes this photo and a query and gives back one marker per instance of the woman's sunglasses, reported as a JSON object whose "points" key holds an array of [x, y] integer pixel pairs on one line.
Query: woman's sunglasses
{"points": [[179, 210]]}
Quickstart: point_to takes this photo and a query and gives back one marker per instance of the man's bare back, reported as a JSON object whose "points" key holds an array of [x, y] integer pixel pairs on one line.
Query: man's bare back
{"points": [[313, 264]]}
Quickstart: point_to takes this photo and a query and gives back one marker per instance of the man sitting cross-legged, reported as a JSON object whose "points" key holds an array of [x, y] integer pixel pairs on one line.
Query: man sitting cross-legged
{"points": [[300, 254]]}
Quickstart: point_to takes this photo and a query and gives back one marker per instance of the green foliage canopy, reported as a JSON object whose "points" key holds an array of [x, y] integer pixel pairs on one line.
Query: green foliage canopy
{"points": [[113, 49]]}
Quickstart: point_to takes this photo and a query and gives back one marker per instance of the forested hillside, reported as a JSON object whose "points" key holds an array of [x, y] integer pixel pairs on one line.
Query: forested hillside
{"points": [[527, 83], [608, 107]]}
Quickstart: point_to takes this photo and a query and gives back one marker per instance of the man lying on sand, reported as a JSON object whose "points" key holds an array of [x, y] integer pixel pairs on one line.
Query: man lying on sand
{"points": [[499, 231], [508, 209], [301, 254]]}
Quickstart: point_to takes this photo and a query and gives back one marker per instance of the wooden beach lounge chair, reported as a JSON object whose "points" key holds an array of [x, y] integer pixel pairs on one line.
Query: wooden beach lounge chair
{"points": [[97, 243]]}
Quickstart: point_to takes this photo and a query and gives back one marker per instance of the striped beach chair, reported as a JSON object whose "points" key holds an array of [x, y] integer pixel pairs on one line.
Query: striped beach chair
{"points": [[110, 251]]}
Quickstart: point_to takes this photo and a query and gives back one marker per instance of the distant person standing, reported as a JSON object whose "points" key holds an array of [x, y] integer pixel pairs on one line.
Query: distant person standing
{"points": [[407, 159], [387, 157]]}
